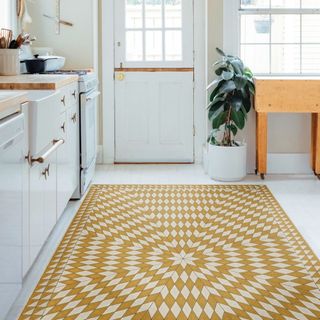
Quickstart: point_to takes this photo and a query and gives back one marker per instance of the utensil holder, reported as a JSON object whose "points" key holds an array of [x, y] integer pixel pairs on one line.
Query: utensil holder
{"points": [[9, 62]]}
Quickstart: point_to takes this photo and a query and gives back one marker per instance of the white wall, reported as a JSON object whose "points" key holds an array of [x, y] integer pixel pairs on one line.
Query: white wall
{"points": [[75, 43]]}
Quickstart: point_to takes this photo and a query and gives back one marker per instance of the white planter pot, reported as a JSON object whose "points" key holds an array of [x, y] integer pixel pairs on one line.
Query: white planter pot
{"points": [[227, 163]]}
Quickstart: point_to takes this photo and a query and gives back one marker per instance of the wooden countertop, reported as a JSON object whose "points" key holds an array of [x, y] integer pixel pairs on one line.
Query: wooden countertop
{"points": [[286, 78], [36, 81], [287, 94], [10, 102]]}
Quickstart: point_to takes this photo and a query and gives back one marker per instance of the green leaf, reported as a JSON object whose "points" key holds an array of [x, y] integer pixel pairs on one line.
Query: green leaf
{"points": [[240, 82], [238, 118], [252, 88], [247, 104], [227, 87], [220, 52], [213, 107], [214, 83], [248, 73], [227, 75], [215, 92], [243, 110], [236, 102], [237, 65], [233, 129], [219, 120], [214, 114]]}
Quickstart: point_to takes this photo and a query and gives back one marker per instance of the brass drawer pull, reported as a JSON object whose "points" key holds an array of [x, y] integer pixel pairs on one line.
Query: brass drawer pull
{"points": [[74, 118], [63, 100], [55, 145], [74, 94], [63, 127]]}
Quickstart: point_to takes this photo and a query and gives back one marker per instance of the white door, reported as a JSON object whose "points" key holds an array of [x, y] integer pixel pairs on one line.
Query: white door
{"points": [[154, 81]]}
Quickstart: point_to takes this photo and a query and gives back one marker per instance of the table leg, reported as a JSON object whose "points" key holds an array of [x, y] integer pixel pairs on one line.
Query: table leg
{"points": [[315, 154], [262, 142]]}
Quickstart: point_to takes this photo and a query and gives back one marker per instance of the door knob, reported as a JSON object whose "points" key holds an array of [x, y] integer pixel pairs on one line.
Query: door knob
{"points": [[120, 76]]}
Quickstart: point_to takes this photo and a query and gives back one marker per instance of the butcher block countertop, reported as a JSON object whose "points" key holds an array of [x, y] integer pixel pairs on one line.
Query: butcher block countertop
{"points": [[287, 94], [10, 102], [36, 81]]}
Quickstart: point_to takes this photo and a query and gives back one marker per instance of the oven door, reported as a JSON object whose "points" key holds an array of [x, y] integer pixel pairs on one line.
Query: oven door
{"points": [[88, 130]]}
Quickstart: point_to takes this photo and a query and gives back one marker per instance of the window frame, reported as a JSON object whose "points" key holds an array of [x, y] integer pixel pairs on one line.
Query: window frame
{"points": [[234, 6], [187, 40]]}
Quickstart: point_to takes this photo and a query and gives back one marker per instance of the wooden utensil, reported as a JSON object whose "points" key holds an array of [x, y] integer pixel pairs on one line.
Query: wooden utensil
{"points": [[2, 42], [20, 8], [7, 34]]}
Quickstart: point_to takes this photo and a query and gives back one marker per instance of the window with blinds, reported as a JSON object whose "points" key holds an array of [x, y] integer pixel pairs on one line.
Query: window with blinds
{"points": [[280, 36]]}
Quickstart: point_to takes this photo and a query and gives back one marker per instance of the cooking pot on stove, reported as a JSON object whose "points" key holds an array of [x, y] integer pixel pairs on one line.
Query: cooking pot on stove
{"points": [[40, 64]]}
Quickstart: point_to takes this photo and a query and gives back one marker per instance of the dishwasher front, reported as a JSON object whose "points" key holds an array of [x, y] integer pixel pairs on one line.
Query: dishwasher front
{"points": [[12, 154]]}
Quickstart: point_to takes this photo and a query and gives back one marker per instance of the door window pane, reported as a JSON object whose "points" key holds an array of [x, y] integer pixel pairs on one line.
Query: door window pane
{"points": [[255, 28], [285, 28], [134, 46], [311, 58], [281, 4], [311, 4], [173, 45], [285, 58], [173, 14], [256, 57], [134, 14], [311, 28], [255, 4], [154, 45], [153, 13]]}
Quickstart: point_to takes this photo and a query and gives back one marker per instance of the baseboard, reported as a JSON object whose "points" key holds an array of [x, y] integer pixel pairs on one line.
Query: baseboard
{"points": [[100, 154], [289, 163], [278, 163]]}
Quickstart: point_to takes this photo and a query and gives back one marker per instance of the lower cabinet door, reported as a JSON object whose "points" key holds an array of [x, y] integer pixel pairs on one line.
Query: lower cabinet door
{"points": [[63, 166], [74, 143], [43, 204]]}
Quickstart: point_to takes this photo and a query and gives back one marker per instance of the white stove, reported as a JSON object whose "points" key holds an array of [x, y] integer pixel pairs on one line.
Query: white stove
{"points": [[88, 91]]}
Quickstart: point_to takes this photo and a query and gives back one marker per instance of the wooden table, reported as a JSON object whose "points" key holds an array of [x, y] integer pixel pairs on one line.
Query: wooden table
{"points": [[292, 95]]}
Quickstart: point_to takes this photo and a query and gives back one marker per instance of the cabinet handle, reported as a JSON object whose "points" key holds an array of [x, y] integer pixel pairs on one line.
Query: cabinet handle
{"points": [[55, 145], [74, 94], [74, 118], [63, 127], [48, 170], [44, 173], [63, 100]]}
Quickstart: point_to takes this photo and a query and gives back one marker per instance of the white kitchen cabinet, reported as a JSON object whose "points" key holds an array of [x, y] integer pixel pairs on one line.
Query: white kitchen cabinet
{"points": [[43, 203], [52, 183], [68, 154]]}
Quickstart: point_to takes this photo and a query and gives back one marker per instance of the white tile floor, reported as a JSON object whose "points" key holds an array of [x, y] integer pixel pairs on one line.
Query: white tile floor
{"points": [[298, 195]]}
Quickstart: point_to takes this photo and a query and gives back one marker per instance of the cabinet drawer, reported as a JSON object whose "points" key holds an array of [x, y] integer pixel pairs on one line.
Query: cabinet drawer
{"points": [[69, 95]]}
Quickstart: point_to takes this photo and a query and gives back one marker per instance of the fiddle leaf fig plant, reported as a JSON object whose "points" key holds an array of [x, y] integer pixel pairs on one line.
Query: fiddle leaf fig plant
{"points": [[230, 99]]}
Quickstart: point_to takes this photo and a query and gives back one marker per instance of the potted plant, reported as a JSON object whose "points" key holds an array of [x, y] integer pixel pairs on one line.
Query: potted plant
{"points": [[230, 103]]}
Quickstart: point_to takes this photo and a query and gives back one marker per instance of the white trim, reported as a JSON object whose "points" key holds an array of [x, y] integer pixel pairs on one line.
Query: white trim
{"points": [[289, 163], [108, 63], [108, 80], [100, 154], [231, 27], [200, 92]]}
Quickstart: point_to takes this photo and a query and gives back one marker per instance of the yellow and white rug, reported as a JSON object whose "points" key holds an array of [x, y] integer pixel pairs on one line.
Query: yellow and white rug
{"points": [[179, 252]]}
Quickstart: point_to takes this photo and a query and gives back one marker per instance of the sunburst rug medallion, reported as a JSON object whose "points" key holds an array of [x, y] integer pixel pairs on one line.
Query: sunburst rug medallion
{"points": [[179, 252]]}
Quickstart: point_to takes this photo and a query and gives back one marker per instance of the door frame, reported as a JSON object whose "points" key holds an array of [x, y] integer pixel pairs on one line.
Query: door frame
{"points": [[108, 81]]}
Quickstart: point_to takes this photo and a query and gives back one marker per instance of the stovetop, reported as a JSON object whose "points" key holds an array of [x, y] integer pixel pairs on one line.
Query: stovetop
{"points": [[87, 79], [71, 72]]}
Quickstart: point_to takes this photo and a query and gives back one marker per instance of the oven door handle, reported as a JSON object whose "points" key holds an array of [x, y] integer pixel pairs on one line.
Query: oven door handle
{"points": [[93, 96], [55, 145]]}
